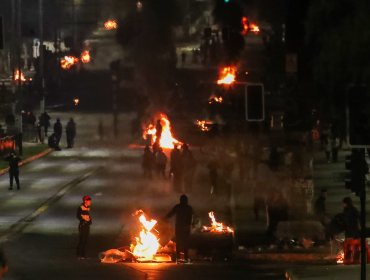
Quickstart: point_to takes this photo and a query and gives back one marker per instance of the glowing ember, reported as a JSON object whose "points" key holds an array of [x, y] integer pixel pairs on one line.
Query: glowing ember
{"points": [[203, 125], [68, 61], [19, 75], [227, 76], [215, 99], [110, 24], [247, 26], [166, 140], [85, 57], [216, 226], [340, 257], [146, 244]]}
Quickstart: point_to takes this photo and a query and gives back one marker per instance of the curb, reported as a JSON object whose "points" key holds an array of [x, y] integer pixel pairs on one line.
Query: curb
{"points": [[28, 160], [308, 258]]}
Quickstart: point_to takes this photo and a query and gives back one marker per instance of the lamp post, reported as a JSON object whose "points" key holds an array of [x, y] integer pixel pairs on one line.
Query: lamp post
{"points": [[41, 58]]}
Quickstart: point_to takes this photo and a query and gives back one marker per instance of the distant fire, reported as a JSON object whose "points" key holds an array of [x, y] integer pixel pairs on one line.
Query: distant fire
{"points": [[76, 101], [215, 99], [85, 56], [146, 244], [340, 257], [216, 226], [166, 139], [110, 24], [203, 125], [247, 26], [18, 75], [67, 62], [227, 76]]}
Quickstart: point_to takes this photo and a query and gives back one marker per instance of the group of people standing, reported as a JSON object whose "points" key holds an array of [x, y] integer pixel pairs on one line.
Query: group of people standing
{"points": [[182, 165], [54, 138]]}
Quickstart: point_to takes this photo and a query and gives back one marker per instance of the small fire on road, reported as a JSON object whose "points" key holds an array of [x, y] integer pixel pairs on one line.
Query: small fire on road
{"points": [[204, 125], [110, 24], [227, 76], [68, 61], [85, 56]]}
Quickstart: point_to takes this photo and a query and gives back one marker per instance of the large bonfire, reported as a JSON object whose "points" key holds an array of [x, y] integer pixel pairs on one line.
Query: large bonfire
{"points": [[166, 138]]}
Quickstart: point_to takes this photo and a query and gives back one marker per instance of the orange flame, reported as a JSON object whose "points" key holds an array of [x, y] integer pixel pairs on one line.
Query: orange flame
{"points": [[203, 125], [166, 140], [19, 75], [340, 257], [215, 99], [85, 56], [110, 24], [247, 26], [216, 226], [227, 76], [68, 61], [146, 244]]}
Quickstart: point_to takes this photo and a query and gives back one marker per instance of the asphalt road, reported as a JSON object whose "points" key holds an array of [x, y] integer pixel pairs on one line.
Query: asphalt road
{"points": [[39, 225]]}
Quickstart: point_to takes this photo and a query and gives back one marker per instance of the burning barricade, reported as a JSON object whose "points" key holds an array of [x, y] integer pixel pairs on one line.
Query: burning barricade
{"points": [[160, 133], [211, 241]]}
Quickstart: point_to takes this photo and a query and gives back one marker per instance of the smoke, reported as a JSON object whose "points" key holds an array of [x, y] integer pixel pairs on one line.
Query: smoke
{"points": [[148, 35]]}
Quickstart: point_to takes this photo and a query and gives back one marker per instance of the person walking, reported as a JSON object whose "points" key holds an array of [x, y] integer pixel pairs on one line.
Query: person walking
{"points": [[148, 162], [58, 131], [351, 222], [70, 133], [161, 162], [176, 168], [184, 216], [189, 165], [45, 122], [328, 147], [335, 148], [320, 207], [13, 161], [83, 215]]}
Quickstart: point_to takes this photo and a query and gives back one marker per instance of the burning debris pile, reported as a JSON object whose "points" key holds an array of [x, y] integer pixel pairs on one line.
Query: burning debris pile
{"points": [[145, 246], [204, 125], [160, 133], [227, 76], [217, 227]]}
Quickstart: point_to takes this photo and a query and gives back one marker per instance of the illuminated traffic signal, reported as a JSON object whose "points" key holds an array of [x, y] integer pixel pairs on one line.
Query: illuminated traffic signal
{"points": [[358, 101], [254, 102], [226, 1]]}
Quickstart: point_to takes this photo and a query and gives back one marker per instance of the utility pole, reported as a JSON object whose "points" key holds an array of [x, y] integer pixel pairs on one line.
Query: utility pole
{"points": [[19, 69], [41, 58]]}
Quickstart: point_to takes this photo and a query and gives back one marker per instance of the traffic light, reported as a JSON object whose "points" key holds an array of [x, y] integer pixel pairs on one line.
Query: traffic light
{"points": [[226, 1], [358, 101], [358, 168], [254, 102]]}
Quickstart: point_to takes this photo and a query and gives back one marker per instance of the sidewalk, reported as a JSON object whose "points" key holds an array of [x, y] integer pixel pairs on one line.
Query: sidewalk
{"points": [[334, 272]]}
